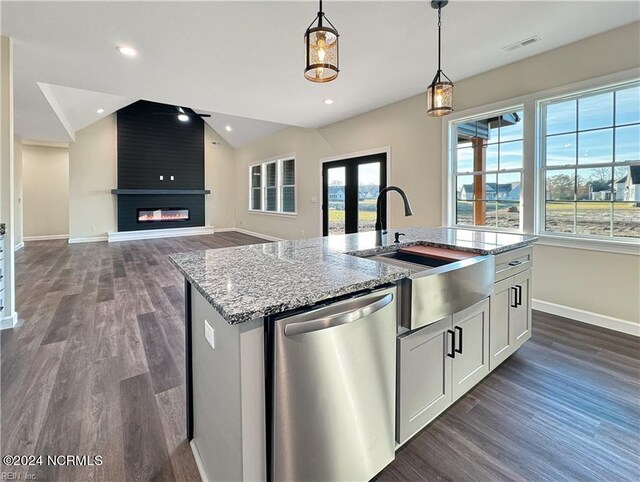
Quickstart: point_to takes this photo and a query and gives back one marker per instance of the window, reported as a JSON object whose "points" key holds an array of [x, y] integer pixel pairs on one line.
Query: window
{"points": [[288, 186], [488, 170], [272, 186], [589, 174], [256, 188]]}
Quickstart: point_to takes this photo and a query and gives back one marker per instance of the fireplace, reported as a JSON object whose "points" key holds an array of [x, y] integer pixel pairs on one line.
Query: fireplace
{"points": [[159, 215]]}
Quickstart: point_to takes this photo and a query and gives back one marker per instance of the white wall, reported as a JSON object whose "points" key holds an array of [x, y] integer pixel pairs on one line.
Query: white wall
{"points": [[8, 317], [92, 175], [219, 168], [416, 165], [18, 194], [45, 184]]}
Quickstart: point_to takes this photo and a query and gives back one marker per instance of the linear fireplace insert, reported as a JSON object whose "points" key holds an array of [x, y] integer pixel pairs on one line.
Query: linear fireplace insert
{"points": [[153, 215]]}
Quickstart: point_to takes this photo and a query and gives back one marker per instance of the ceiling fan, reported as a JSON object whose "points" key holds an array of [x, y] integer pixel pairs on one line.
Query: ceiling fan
{"points": [[183, 115]]}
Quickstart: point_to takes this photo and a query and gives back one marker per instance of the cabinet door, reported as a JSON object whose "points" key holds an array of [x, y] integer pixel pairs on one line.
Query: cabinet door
{"points": [[471, 363], [520, 310], [500, 332], [424, 377]]}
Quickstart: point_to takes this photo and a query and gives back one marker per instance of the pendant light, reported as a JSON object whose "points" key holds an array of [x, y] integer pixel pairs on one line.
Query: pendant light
{"points": [[440, 92], [321, 50]]}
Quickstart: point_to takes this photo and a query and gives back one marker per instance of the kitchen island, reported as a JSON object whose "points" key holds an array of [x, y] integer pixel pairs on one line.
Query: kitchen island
{"points": [[241, 428]]}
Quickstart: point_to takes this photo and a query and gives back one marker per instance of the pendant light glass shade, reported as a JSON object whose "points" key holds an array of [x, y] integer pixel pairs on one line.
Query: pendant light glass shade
{"points": [[440, 98], [440, 91], [321, 50]]}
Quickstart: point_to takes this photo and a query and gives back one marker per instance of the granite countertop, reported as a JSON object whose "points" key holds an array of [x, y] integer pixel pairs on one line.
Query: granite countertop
{"points": [[247, 282]]}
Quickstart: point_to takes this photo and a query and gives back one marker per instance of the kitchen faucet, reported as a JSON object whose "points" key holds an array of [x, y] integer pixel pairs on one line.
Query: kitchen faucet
{"points": [[380, 218]]}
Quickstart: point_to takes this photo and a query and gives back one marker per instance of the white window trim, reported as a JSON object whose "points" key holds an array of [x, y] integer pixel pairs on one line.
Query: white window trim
{"points": [[531, 216], [263, 188], [557, 237], [451, 175]]}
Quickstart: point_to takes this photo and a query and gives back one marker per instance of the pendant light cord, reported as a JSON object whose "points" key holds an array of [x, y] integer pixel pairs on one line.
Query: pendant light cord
{"points": [[439, 27]]}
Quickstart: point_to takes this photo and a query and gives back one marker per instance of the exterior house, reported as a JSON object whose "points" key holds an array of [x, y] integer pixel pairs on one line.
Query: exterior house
{"points": [[336, 193], [495, 192], [627, 188]]}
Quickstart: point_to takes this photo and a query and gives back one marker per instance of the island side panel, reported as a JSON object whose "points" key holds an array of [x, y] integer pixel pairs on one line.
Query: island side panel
{"points": [[228, 395], [252, 379]]}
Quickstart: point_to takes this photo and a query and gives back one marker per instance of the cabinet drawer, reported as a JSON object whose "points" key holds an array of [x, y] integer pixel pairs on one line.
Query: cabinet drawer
{"points": [[513, 262]]}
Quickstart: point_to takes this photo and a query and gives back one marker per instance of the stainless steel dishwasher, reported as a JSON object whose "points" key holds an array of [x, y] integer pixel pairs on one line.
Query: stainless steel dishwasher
{"points": [[334, 390]]}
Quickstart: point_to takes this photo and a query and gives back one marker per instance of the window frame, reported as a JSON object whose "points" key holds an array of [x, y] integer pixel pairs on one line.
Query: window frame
{"points": [[531, 184], [453, 174], [542, 168], [278, 161]]}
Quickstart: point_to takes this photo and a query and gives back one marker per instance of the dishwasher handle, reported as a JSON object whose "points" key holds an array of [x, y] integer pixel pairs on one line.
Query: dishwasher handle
{"points": [[338, 319]]}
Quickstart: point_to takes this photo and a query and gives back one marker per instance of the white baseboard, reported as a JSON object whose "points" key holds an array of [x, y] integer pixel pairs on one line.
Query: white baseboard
{"points": [[46, 238], [159, 233], [9, 321], [604, 321], [251, 233], [18, 246], [196, 457], [90, 239]]}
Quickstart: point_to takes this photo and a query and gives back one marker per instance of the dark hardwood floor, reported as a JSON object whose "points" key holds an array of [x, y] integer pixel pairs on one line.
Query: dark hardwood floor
{"points": [[97, 368], [97, 365]]}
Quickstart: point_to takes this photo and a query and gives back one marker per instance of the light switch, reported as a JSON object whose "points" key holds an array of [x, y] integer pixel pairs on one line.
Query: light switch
{"points": [[162, 178], [209, 334], [172, 178], [314, 199]]}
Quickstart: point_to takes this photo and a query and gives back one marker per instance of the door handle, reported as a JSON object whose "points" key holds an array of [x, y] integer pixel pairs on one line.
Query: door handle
{"points": [[519, 292], [515, 263], [514, 298], [338, 319], [453, 344], [459, 330]]}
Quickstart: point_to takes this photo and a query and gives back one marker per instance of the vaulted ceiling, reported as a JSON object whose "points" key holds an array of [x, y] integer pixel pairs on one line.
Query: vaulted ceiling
{"points": [[243, 61]]}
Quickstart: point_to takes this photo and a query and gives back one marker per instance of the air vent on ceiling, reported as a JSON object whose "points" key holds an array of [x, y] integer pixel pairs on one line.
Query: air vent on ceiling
{"points": [[522, 43]]}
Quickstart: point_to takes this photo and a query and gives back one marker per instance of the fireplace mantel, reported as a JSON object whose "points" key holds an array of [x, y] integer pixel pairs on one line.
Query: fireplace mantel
{"points": [[156, 192]]}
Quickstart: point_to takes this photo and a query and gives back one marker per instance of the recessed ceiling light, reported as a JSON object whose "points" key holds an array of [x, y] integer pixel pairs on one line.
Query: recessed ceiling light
{"points": [[328, 101], [183, 117], [100, 110], [127, 51], [228, 128]]}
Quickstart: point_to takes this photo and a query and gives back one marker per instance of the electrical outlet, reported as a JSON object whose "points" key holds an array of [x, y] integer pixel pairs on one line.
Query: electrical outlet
{"points": [[302, 232], [93, 228], [162, 178], [209, 334], [314, 199]]}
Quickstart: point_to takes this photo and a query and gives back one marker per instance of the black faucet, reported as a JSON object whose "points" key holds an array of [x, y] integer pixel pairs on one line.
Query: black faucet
{"points": [[381, 222]]}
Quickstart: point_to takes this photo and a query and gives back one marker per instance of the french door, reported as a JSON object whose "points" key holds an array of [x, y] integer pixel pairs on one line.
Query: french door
{"points": [[350, 189]]}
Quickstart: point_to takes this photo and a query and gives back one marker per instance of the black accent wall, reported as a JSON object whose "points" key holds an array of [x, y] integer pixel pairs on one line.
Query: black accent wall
{"points": [[152, 142]]}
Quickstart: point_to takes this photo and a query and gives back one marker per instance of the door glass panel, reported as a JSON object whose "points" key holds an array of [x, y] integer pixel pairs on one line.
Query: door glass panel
{"points": [[336, 180], [368, 189]]}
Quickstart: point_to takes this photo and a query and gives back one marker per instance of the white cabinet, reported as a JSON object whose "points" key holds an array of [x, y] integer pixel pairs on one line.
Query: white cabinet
{"points": [[424, 377], [510, 310], [438, 364], [471, 362]]}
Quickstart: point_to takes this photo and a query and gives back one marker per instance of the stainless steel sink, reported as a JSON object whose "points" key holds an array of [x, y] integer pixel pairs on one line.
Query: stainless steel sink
{"points": [[437, 288]]}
